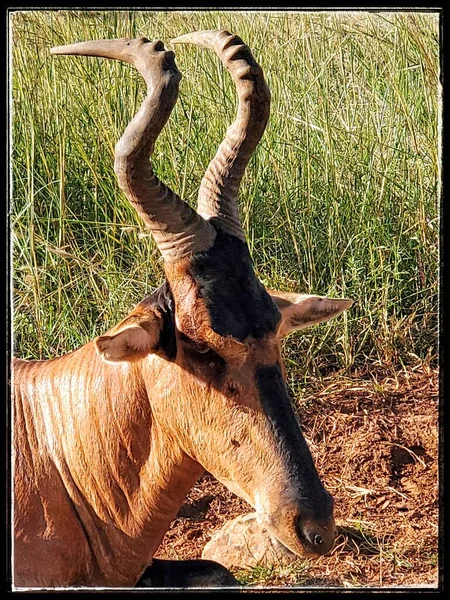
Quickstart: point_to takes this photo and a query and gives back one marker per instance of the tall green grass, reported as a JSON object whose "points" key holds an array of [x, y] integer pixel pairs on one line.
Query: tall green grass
{"points": [[340, 198]]}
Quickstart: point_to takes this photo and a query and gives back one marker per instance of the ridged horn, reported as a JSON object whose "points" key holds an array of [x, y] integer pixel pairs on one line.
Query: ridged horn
{"points": [[177, 229], [218, 195]]}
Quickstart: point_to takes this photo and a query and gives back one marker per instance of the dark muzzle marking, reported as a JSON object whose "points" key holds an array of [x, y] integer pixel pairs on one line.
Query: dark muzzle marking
{"points": [[277, 406]]}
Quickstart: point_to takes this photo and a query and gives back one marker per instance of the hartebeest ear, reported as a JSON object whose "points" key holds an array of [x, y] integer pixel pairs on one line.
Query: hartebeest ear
{"points": [[299, 311], [134, 338]]}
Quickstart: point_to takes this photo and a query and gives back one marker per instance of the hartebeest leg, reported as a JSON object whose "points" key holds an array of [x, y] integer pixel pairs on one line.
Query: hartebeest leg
{"points": [[186, 574]]}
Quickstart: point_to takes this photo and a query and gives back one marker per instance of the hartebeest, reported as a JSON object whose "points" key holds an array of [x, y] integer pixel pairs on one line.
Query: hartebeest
{"points": [[109, 439]]}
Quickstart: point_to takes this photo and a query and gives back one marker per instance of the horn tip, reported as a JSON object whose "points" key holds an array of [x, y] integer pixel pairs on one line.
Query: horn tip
{"points": [[204, 37], [348, 302], [181, 39]]}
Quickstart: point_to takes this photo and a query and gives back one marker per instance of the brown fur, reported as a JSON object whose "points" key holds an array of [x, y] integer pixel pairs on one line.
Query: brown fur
{"points": [[104, 453], [97, 482]]}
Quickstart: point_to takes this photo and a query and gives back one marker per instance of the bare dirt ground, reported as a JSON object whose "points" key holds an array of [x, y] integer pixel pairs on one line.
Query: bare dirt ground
{"points": [[374, 439]]}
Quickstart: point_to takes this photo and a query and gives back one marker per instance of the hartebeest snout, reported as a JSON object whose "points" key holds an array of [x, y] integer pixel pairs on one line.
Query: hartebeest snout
{"points": [[109, 438]]}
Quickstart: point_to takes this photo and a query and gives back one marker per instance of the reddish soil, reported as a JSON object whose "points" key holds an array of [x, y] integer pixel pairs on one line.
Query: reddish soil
{"points": [[374, 439]]}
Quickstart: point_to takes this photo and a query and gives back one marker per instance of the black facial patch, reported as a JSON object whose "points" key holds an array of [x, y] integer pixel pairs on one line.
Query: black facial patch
{"points": [[163, 298], [238, 304], [277, 406]]}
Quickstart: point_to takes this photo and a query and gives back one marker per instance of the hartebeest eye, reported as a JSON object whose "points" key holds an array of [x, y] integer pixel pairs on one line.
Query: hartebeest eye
{"points": [[202, 359], [200, 347], [202, 354]]}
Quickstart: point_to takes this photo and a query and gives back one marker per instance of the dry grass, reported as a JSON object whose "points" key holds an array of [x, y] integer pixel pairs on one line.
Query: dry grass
{"points": [[341, 197], [374, 438]]}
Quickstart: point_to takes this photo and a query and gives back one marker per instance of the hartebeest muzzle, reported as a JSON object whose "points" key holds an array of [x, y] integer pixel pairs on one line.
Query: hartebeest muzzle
{"points": [[301, 509]]}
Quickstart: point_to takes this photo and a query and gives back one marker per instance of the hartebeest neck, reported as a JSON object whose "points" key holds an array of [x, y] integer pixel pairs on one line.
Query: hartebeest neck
{"points": [[124, 478]]}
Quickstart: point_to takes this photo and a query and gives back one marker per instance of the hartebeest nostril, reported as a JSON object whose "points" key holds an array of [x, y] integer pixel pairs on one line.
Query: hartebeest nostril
{"points": [[317, 541]]}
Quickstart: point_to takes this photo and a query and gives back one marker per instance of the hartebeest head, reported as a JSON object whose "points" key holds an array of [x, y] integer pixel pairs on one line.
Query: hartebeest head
{"points": [[213, 332]]}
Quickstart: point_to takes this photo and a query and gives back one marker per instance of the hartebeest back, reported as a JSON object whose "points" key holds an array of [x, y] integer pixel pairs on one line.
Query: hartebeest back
{"points": [[109, 438]]}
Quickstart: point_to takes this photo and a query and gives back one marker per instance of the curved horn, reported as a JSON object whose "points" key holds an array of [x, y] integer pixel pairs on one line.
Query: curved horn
{"points": [[177, 228], [218, 195]]}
